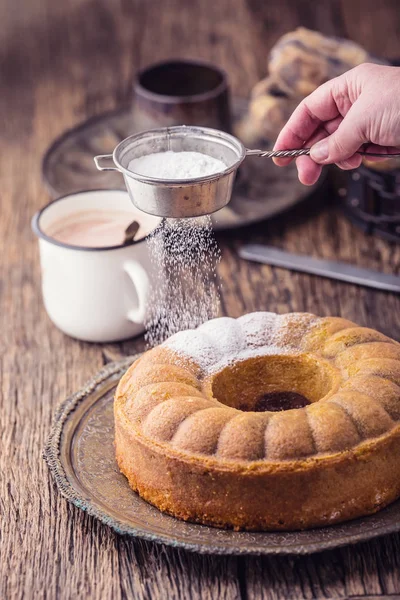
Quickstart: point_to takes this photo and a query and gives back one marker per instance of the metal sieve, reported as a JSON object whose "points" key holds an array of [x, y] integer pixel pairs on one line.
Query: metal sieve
{"points": [[177, 198], [180, 198]]}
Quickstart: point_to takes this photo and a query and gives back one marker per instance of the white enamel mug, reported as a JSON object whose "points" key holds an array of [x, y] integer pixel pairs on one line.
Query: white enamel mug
{"points": [[94, 294]]}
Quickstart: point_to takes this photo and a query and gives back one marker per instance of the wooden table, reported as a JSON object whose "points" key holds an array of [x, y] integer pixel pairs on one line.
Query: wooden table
{"points": [[62, 62]]}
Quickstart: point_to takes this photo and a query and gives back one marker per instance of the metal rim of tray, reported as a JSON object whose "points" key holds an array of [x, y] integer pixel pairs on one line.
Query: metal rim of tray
{"points": [[57, 454]]}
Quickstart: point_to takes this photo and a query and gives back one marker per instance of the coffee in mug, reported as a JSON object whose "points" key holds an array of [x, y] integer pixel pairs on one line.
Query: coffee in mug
{"points": [[98, 229]]}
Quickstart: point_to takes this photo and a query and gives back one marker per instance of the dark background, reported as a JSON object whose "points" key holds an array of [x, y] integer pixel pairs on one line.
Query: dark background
{"points": [[61, 62]]}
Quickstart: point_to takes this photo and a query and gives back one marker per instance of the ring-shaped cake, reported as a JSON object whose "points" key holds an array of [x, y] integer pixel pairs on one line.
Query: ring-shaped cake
{"points": [[265, 422]]}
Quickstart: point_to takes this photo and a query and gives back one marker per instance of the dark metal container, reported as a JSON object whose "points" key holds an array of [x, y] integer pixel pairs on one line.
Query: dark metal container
{"points": [[181, 92], [371, 200]]}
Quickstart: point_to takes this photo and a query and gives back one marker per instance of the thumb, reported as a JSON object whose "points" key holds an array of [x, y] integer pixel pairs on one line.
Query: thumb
{"points": [[342, 143]]}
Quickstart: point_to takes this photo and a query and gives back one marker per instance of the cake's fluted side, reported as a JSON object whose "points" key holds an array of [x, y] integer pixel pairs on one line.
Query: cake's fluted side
{"points": [[346, 487]]}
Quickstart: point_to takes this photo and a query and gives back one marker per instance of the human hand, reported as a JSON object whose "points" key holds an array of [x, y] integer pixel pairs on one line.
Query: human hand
{"points": [[362, 106]]}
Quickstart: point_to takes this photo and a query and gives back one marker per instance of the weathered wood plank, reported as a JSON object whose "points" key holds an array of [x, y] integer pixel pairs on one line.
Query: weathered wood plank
{"points": [[60, 63], [366, 570]]}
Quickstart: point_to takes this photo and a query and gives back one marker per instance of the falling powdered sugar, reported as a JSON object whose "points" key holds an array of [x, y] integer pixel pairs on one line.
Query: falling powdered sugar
{"points": [[185, 289], [183, 252]]}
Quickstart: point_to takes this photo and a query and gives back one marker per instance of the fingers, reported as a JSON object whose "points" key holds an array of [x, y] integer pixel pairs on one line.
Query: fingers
{"points": [[306, 119], [308, 170], [332, 124], [342, 144], [300, 127], [353, 162]]}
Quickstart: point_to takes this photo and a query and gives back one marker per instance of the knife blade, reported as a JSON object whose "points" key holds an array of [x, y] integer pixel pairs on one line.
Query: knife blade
{"points": [[319, 266]]}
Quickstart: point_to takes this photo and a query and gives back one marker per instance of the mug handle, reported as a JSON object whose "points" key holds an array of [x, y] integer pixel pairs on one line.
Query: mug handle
{"points": [[141, 281]]}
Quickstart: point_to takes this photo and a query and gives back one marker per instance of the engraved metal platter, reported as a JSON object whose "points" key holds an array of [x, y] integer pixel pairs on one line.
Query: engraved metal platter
{"points": [[262, 190], [80, 456]]}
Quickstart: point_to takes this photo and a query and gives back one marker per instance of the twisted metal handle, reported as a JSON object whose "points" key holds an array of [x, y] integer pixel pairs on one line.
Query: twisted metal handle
{"points": [[305, 151], [278, 153]]}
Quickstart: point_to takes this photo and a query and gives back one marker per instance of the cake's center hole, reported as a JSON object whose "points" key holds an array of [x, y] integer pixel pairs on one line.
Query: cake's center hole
{"points": [[273, 383], [277, 401]]}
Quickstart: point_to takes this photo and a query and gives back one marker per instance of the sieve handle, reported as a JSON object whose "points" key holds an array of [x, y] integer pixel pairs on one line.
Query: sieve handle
{"points": [[278, 153], [100, 157], [306, 151]]}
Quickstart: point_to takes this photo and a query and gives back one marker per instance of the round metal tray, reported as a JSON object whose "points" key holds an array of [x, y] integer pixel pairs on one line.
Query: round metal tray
{"points": [[80, 455], [261, 190]]}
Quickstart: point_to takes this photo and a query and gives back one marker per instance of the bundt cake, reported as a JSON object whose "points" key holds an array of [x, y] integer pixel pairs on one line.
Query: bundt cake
{"points": [[265, 422]]}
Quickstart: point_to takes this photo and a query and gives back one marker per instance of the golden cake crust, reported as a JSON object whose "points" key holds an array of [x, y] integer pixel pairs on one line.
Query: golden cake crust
{"points": [[186, 446]]}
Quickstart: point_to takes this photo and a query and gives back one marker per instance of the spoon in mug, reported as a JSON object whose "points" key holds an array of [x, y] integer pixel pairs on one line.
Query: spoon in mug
{"points": [[130, 233]]}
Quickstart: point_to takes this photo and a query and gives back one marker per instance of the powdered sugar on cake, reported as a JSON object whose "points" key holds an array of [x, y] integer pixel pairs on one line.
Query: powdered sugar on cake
{"points": [[196, 345], [219, 342]]}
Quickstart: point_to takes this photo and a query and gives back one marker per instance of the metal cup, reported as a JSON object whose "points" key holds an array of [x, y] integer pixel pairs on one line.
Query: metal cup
{"points": [[178, 92], [177, 198]]}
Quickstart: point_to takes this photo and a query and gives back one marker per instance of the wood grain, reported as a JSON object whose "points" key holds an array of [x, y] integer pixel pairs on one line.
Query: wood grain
{"points": [[62, 62]]}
